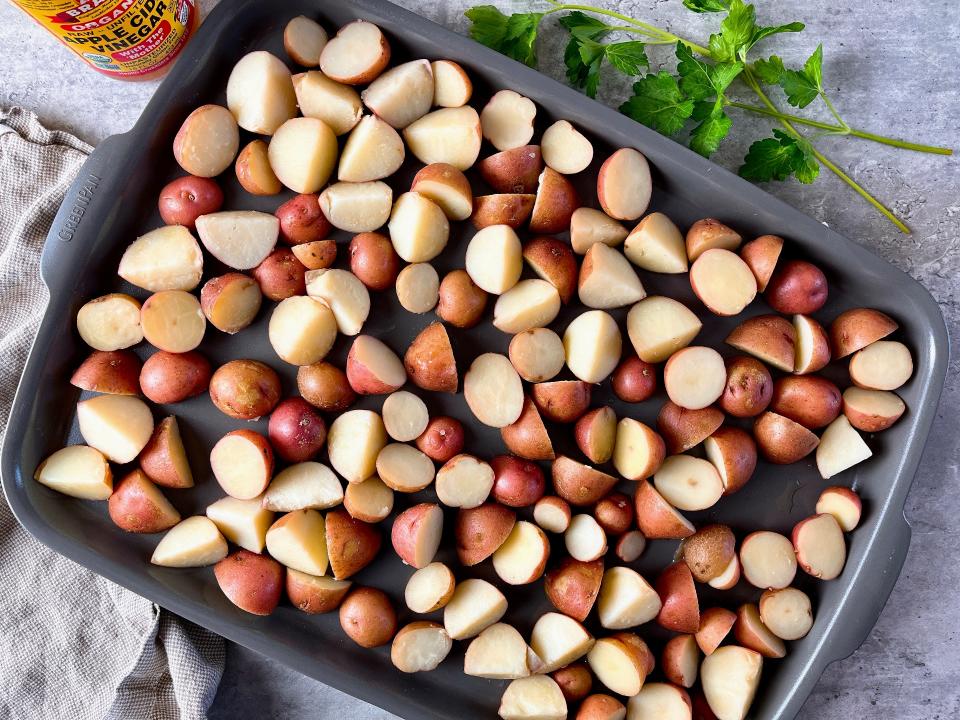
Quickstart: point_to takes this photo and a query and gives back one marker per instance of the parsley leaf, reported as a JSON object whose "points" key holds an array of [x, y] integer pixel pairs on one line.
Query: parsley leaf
{"points": [[761, 32], [578, 21], [779, 157], [700, 80], [585, 53], [769, 71], [513, 35], [706, 137], [803, 86], [659, 103], [736, 33], [627, 57], [702, 6]]}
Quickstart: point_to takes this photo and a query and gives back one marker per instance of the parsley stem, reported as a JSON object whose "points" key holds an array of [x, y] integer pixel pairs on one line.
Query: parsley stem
{"points": [[833, 110], [842, 130], [823, 159]]}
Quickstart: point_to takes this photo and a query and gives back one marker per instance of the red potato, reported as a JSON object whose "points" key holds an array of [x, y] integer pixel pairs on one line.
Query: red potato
{"points": [[447, 135], [872, 410], [562, 401], [110, 322], [351, 544], [231, 302], [660, 700], [254, 172], [447, 187], [401, 94], [618, 664], [537, 354], [656, 244], [367, 617], [579, 484], [539, 692], [624, 185], [194, 542], [461, 301], [297, 541], [630, 546], [302, 221], [614, 513], [516, 170], [683, 429], [475, 605], [812, 346], [138, 506], [78, 471], [114, 373], [260, 93], [173, 321], [185, 199], [770, 338], [429, 360], [404, 468], [797, 287], [709, 552], [304, 39], [373, 368], [695, 377], [589, 226], [250, 581], [768, 560], [296, 430], [357, 207], [601, 707], [680, 611], [303, 486], [527, 436], [507, 120], [242, 462], [119, 426], [575, 681], [281, 275], [325, 386], [556, 201], [559, 640], [812, 401], [420, 647], [516, 482], [820, 547], [709, 234], [883, 365], [245, 389], [552, 514], [566, 149], [593, 345], [722, 281], [528, 304], [761, 254], [639, 451], [499, 653], [749, 387], [781, 440], [464, 481], [730, 678], [729, 578], [356, 55], [634, 380], [416, 534], [607, 280], [242, 522], [481, 530], [734, 454], [626, 599], [573, 586], [207, 141], [854, 329], [373, 260], [658, 326], [786, 613], [442, 439], [680, 660], [303, 329], [553, 261], [753, 634], [688, 483], [164, 458], [429, 588], [502, 209], [844, 504], [369, 500], [715, 625], [419, 229], [657, 518], [522, 557], [585, 539], [494, 259], [451, 84], [596, 433], [316, 255], [168, 258], [493, 390], [315, 595]]}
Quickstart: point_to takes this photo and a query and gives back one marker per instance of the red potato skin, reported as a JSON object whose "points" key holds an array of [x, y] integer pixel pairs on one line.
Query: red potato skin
{"points": [[302, 221], [213, 288], [797, 287], [316, 255], [586, 434], [461, 302], [132, 511], [155, 458], [296, 430], [250, 581], [708, 551], [580, 484], [442, 439], [527, 437], [306, 599], [683, 429], [373, 260], [812, 401], [701, 708], [503, 209], [185, 199], [429, 360], [116, 373], [362, 379], [405, 530], [761, 255], [555, 262], [245, 389], [557, 198], [572, 587], [634, 380], [749, 387], [281, 275], [656, 518], [351, 544], [680, 611], [715, 625], [562, 401], [575, 681], [481, 530], [368, 618], [854, 329], [614, 513], [744, 455], [516, 482], [600, 707], [325, 386], [513, 171], [173, 377], [781, 440]]}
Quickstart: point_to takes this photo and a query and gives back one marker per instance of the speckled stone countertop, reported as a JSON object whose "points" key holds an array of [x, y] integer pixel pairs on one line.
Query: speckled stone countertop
{"points": [[891, 67]]}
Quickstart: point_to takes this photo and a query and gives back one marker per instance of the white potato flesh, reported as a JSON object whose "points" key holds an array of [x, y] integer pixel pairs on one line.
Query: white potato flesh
{"points": [[768, 560], [193, 542], [498, 653], [298, 540], [418, 288], [110, 322], [688, 483], [723, 282], [242, 522], [119, 426], [695, 377], [303, 486], [405, 416], [507, 120], [303, 152], [494, 259], [584, 539], [355, 439], [357, 54], [334, 103], [452, 87], [626, 599], [528, 304], [304, 40], [168, 258], [475, 605], [660, 701], [420, 647], [616, 666], [429, 588], [841, 447], [624, 185], [464, 481], [607, 280], [373, 151], [207, 142], [260, 93], [404, 468], [172, 320], [493, 390], [533, 698], [656, 244], [240, 239], [240, 465], [658, 326], [344, 294], [558, 640], [370, 500], [357, 207], [730, 676], [419, 229], [523, 555], [566, 149], [79, 471], [589, 226], [448, 135], [882, 365], [402, 94], [592, 344], [302, 330]]}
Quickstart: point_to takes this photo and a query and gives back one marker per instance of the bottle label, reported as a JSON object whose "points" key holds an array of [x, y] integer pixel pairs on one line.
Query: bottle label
{"points": [[123, 38]]}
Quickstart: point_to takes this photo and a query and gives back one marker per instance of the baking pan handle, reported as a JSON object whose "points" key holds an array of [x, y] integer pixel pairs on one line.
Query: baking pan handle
{"points": [[82, 211]]}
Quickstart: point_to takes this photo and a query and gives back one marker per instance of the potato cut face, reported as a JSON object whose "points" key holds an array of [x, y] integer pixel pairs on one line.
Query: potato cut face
{"points": [[325, 99], [77, 470], [242, 522], [168, 258], [301, 486], [119, 426], [241, 239], [193, 542], [260, 93]]}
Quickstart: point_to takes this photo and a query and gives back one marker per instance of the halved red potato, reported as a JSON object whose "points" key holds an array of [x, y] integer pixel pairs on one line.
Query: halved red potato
{"points": [[768, 337], [854, 329], [811, 347], [883, 365], [781, 440], [768, 560], [820, 546], [761, 254], [589, 226], [688, 483], [356, 55], [448, 135], [657, 518], [624, 185], [658, 326], [722, 281], [708, 234], [695, 377], [872, 410], [734, 454], [656, 244]]}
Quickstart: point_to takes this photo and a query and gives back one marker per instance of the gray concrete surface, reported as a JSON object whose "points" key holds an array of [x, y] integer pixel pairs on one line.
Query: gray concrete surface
{"points": [[892, 68]]}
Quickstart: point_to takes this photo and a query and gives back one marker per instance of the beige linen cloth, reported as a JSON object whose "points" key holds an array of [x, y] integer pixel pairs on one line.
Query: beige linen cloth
{"points": [[73, 646]]}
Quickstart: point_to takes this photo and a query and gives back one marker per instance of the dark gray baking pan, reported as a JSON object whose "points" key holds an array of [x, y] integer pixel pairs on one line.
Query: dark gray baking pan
{"points": [[114, 200]]}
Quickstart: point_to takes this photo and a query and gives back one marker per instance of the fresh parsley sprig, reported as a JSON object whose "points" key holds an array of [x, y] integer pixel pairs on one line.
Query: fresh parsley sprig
{"points": [[695, 100]]}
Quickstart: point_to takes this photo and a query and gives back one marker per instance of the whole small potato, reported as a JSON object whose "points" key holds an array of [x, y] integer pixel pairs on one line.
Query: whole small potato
{"points": [[368, 617], [575, 681], [325, 386], [709, 551], [171, 377], [634, 380], [302, 221], [749, 387], [373, 260], [614, 513], [185, 199], [245, 389], [462, 302], [296, 430], [797, 288], [517, 482], [442, 440], [281, 275]]}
